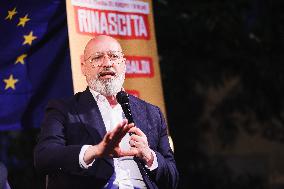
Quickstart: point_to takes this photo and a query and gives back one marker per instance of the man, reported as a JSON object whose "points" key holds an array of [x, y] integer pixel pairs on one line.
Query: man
{"points": [[86, 142]]}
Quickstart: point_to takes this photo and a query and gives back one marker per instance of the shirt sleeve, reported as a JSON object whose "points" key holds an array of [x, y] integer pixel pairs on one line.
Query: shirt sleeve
{"points": [[155, 162], [82, 163]]}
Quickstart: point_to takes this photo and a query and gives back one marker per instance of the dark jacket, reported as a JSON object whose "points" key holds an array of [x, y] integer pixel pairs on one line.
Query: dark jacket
{"points": [[69, 124]]}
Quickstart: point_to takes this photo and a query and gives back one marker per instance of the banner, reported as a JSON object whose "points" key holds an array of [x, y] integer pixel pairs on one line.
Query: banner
{"points": [[34, 60], [129, 21]]}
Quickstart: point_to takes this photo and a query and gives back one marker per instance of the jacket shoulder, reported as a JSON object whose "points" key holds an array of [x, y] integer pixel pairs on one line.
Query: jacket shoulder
{"points": [[143, 104], [65, 102]]}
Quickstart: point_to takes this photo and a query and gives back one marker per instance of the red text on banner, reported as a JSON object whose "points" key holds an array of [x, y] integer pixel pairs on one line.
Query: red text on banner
{"points": [[125, 25], [137, 66]]}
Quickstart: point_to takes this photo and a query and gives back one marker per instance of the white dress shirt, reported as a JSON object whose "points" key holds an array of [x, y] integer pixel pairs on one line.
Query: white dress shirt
{"points": [[126, 172]]}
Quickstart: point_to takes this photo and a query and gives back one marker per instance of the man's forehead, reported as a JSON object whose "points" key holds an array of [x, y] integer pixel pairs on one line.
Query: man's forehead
{"points": [[102, 44]]}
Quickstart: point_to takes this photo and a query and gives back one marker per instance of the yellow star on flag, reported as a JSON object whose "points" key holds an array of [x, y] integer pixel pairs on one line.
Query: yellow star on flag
{"points": [[21, 58], [11, 13], [23, 20], [29, 38], [10, 83]]}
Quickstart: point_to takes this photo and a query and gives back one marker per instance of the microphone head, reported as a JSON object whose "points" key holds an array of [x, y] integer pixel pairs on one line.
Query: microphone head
{"points": [[122, 97]]}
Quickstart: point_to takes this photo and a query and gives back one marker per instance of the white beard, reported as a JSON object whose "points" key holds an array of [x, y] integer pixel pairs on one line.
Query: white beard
{"points": [[107, 87]]}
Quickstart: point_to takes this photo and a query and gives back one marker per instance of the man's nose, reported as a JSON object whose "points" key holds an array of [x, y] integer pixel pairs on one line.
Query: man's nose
{"points": [[106, 61]]}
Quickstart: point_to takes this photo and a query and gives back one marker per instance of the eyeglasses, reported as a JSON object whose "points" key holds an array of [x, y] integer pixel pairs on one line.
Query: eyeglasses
{"points": [[97, 58]]}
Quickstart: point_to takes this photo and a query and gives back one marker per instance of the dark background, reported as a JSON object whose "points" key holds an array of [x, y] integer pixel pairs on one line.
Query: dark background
{"points": [[222, 72]]}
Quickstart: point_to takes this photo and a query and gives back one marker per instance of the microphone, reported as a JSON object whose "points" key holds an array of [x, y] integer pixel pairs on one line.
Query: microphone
{"points": [[123, 99]]}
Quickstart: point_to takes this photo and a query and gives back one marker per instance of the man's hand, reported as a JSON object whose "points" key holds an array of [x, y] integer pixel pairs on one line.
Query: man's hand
{"points": [[109, 146], [139, 146]]}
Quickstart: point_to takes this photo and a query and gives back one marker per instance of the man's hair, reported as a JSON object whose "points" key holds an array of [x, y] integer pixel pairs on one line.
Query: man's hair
{"points": [[3, 175]]}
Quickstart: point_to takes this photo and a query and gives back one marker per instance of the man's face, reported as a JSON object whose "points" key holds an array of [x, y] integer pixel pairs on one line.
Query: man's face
{"points": [[104, 66]]}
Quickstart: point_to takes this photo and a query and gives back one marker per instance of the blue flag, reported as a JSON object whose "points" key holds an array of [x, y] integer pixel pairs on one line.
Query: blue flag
{"points": [[34, 60]]}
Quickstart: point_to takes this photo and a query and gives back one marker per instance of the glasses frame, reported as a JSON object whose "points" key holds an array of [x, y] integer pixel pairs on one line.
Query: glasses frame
{"points": [[99, 62]]}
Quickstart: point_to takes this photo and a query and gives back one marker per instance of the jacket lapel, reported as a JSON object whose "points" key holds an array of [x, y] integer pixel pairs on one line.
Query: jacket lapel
{"points": [[139, 115], [90, 115]]}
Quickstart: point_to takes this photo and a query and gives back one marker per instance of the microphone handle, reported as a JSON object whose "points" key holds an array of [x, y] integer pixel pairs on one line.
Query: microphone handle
{"points": [[127, 113]]}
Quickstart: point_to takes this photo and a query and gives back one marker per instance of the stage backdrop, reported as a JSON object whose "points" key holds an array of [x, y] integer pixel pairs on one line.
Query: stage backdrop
{"points": [[131, 22]]}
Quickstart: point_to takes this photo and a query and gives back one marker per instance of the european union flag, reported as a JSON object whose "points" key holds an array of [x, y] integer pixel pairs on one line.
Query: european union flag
{"points": [[34, 60]]}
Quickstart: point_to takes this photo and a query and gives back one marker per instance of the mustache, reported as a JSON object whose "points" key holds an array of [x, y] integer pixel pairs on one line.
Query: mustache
{"points": [[107, 71]]}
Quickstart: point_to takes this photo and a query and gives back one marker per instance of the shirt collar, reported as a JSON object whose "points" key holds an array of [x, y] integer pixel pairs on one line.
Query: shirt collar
{"points": [[102, 99], [97, 96]]}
